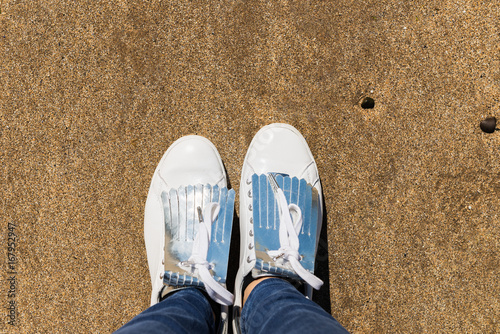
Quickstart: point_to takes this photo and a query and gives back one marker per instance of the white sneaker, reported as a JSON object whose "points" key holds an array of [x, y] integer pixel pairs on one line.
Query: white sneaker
{"points": [[188, 221], [280, 211]]}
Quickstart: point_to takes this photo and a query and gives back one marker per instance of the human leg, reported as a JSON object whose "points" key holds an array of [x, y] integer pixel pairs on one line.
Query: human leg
{"points": [[276, 306], [186, 311]]}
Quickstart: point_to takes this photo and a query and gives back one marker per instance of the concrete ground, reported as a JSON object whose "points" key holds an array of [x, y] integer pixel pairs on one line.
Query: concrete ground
{"points": [[93, 92]]}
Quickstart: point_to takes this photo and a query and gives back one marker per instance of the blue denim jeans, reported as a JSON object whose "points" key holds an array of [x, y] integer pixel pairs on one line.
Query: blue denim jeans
{"points": [[274, 306]]}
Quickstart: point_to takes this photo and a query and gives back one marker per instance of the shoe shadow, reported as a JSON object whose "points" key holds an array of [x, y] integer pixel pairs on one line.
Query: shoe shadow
{"points": [[234, 254], [233, 263], [322, 269]]}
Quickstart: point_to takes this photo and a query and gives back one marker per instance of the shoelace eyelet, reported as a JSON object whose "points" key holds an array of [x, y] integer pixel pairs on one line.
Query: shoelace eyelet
{"points": [[248, 259], [250, 233], [161, 275], [248, 181], [251, 220], [250, 193], [250, 207], [250, 246]]}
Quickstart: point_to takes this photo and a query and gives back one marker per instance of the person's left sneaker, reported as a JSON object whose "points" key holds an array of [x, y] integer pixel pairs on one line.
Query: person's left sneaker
{"points": [[188, 221]]}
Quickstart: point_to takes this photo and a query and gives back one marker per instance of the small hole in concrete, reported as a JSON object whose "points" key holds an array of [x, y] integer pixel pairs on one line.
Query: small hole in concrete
{"points": [[368, 103]]}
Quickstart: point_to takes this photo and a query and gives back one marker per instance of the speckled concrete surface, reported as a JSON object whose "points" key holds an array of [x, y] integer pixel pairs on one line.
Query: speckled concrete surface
{"points": [[93, 92]]}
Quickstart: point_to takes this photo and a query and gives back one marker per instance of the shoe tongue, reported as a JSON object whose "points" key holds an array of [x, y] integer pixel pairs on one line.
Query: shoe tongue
{"points": [[182, 226], [266, 223]]}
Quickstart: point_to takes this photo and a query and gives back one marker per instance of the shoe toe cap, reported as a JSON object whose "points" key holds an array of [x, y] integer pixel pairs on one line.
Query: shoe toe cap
{"points": [[192, 160], [281, 148]]}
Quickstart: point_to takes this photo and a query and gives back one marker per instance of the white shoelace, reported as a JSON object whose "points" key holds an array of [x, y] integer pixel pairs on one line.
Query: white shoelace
{"points": [[198, 259], [289, 240]]}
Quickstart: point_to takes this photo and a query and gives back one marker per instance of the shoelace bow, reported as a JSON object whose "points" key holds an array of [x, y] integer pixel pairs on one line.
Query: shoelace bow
{"points": [[198, 259], [288, 234]]}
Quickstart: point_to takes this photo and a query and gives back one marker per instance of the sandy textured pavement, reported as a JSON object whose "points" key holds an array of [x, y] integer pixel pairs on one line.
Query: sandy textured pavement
{"points": [[93, 92]]}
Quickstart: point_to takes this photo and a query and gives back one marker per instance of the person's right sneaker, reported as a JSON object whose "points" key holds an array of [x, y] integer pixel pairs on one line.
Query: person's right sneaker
{"points": [[280, 211]]}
